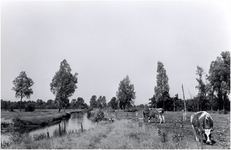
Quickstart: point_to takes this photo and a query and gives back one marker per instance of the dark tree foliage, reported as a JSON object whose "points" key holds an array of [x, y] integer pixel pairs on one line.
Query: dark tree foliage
{"points": [[219, 78], [22, 86], [93, 102], [63, 84], [113, 103], [153, 102], [101, 102], [29, 107], [11, 105], [80, 104]]}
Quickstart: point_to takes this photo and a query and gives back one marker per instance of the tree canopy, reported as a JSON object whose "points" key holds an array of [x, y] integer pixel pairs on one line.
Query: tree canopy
{"points": [[22, 86], [162, 88], [125, 93], [63, 84], [93, 102], [219, 77], [113, 103]]}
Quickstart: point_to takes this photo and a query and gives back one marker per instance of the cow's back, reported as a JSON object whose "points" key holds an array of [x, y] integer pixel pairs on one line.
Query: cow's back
{"points": [[202, 119], [153, 113], [160, 110]]}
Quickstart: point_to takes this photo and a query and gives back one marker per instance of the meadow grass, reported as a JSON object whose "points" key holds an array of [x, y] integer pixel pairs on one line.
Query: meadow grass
{"points": [[121, 134], [133, 134]]}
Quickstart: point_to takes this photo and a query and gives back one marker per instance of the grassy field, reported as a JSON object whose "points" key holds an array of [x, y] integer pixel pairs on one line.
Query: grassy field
{"points": [[129, 132]]}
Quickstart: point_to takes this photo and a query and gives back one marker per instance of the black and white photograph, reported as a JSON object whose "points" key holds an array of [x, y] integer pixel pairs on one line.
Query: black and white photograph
{"points": [[115, 74]]}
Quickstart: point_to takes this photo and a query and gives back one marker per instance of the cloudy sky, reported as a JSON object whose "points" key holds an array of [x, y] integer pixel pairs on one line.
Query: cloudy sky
{"points": [[103, 41]]}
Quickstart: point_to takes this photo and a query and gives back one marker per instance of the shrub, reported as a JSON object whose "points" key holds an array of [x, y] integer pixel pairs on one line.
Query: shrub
{"points": [[99, 116], [11, 108], [30, 108], [131, 109], [40, 136]]}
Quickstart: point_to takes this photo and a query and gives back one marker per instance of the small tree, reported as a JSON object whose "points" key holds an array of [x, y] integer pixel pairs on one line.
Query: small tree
{"points": [[22, 86], [201, 87], [113, 103], [93, 102], [63, 84], [174, 102], [101, 102], [125, 93], [80, 103]]}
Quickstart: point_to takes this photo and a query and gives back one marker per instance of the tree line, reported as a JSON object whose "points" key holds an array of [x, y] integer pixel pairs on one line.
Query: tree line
{"points": [[212, 93]]}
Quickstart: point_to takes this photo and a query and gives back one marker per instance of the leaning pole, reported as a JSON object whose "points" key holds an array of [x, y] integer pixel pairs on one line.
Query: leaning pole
{"points": [[184, 112]]}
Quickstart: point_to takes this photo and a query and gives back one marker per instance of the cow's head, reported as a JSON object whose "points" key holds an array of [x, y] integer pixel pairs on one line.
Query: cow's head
{"points": [[207, 134], [207, 127]]}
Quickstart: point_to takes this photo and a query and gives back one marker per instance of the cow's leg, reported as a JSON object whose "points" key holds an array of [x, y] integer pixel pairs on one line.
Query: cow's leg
{"points": [[194, 131], [163, 118], [160, 118], [149, 118]]}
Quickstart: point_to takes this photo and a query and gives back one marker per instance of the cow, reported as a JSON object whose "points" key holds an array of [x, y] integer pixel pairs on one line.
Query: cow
{"points": [[154, 113], [202, 124]]}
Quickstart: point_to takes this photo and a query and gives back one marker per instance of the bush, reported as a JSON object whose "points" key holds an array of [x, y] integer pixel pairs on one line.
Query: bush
{"points": [[99, 116], [40, 136], [11, 108], [30, 108]]}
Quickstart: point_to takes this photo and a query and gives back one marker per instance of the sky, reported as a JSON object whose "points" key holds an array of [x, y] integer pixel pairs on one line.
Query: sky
{"points": [[104, 41]]}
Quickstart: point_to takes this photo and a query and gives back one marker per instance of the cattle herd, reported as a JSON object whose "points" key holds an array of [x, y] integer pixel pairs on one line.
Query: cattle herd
{"points": [[202, 122]]}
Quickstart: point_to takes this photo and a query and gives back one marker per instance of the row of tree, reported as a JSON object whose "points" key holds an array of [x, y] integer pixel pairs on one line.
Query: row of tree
{"points": [[63, 86], [212, 93], [40, 104]]}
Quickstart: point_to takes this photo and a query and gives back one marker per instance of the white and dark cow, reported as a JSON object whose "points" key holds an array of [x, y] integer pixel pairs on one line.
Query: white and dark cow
{"points": [[154, 113], [202, 124]]}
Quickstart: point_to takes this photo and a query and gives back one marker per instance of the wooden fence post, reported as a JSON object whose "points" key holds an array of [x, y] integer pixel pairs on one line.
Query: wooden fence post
{"points": [[81, 127]]}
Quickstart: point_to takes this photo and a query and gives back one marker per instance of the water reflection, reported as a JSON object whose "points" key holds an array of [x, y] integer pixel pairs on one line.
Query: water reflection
{"points": [[74, 123], [71, 124]]}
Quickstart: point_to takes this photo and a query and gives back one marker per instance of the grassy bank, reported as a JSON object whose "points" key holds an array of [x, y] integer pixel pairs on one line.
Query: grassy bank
{"points": [[131, 133], [37, 118], [121, 134]]}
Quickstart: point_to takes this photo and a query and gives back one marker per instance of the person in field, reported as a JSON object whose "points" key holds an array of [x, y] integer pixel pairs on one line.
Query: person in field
{"points": [[154, 113], [202, 124]]}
